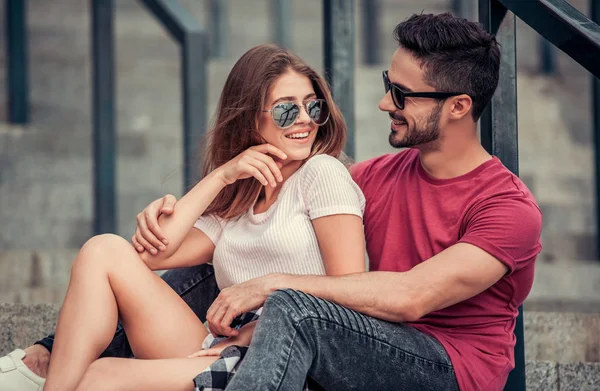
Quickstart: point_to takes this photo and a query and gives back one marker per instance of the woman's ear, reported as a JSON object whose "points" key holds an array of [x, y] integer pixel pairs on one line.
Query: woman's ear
{"points": [[257, 125]]}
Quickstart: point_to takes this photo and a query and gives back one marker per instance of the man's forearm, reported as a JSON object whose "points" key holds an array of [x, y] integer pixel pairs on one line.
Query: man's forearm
{"points": [[187, 210], [450, 277], [378, 294]]}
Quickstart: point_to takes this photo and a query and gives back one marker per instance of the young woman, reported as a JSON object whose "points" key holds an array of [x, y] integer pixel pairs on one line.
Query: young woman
{"points": [[274, 199]]}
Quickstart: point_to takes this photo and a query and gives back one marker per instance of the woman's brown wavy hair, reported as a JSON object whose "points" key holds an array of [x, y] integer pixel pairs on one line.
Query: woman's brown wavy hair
{"points": [[242, 100]]}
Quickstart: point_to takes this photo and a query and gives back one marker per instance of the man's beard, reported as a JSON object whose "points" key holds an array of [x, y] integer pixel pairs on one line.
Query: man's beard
{"points": [[424, 132]]}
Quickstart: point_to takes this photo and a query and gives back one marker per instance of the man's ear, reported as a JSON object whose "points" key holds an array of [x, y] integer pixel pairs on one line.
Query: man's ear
{"points": [[461, 106]]}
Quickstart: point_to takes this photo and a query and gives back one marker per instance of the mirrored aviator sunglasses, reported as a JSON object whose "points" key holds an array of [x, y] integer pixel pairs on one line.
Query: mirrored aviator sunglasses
{"points": [[285, 114]]}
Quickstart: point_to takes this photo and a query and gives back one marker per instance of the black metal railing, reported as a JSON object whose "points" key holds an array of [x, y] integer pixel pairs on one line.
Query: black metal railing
{"points": [[103, 116], [194, 81], [282, 22], [338, 41], [595, 14], [338, 46], [569, 30], [190, 35], [17, 75]]}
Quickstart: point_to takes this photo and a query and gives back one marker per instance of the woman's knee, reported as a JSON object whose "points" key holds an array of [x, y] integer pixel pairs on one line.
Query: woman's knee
{"points": [[102, 249], [105, 242]]}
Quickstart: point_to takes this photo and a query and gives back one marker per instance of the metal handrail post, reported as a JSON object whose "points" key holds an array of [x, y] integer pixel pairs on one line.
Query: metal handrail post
{"points": [[103, 112], [338, 45], [17, 66], [595, 16], [499, 135], [281, 22]]}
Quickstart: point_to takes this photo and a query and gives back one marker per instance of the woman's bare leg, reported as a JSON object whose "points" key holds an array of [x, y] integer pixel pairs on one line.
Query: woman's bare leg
{"points": [[108, 280], [126, 374]]}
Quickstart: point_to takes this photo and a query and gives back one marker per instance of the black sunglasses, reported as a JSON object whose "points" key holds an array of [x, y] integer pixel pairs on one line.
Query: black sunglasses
{"points": [[398, 95], [285, 114]]}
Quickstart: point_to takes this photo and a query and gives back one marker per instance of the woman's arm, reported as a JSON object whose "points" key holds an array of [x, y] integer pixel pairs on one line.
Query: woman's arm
{"points": [[178, 226], [195, 249], [254, 162], [342, 243], [335, 205]]}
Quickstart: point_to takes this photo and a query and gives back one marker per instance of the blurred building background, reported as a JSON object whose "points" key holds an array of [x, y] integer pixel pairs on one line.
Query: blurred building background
{"points": [[46, 172]]}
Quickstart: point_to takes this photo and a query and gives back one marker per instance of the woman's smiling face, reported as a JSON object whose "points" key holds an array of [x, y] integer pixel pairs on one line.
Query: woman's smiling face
{"points": [[297, 140]]}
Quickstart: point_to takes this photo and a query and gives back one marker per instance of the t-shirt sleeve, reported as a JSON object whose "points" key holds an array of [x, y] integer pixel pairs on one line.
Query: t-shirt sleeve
{"points": [[358, 173], [328, 189], [507, 228], [212, 226]]}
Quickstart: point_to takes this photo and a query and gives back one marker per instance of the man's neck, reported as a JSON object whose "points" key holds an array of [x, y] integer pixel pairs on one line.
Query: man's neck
{"points": [[453, 157]]}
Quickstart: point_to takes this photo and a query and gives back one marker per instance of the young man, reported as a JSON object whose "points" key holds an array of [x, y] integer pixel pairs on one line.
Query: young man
{"points": [[452, 238]]}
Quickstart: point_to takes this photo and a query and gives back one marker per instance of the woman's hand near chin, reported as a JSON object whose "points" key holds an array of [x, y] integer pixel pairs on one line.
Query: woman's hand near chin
{"points": [[253, 162]]}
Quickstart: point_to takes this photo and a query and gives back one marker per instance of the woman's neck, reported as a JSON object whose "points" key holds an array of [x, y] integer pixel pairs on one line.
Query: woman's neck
{"points": [[269, 194]]}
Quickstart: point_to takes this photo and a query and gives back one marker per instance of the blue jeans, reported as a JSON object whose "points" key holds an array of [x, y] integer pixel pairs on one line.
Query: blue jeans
{"points": [[196, 285], [299, 335]]}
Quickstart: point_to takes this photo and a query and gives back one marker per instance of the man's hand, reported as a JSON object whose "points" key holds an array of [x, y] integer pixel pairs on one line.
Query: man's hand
{"points": [[37, 358], [236, 300], [148, 235]]}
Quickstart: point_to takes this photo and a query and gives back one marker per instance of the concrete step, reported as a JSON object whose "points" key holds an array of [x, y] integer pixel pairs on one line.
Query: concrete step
{"points": [[562, 337], [563, 282], [562, 349], [568, 218], [32, 277], [567, 245], [555, 376], [21, 325]]}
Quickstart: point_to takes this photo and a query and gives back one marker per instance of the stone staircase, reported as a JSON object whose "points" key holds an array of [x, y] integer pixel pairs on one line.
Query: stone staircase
{"points": [[46, 168], [559, 171], [35, 277]]}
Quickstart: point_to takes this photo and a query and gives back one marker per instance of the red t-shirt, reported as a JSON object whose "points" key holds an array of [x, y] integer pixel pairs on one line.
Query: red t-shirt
{"points": [[411, 216]]}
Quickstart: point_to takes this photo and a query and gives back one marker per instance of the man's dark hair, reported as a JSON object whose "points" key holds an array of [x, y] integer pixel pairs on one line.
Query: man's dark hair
{"points": [[457, 55]]}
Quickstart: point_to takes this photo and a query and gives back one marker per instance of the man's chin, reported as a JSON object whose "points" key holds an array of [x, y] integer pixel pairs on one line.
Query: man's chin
{"points": [[396, 141]]}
